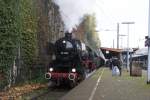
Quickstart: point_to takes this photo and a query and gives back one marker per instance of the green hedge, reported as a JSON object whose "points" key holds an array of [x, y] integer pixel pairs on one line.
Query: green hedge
{"points": [[8, 36], [18, 25]]}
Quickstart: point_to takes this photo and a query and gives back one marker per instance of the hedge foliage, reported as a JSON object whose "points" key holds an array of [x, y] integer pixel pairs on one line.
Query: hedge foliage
{"points": [[8, 35], [18, 25], [28, 32]]}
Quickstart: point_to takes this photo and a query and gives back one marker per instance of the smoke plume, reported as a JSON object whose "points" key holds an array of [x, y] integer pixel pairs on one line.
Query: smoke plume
{"points": [[73, 11]]}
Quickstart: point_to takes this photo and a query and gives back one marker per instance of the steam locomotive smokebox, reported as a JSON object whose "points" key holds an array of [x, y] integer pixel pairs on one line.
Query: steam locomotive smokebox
{"points": [[136, 69]]}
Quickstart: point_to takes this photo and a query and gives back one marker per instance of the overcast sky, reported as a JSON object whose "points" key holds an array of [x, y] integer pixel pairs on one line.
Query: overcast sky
{"points": [[111, 12], [108, 14]]}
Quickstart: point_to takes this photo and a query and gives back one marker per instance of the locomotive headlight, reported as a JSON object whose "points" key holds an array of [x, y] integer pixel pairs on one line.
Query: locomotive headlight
{"points": [[64, 41], [51, 69], [73, 70]]}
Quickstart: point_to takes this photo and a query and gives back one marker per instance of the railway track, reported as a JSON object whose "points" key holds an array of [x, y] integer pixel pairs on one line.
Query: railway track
{"points": [[53, 93], [56, 92]]}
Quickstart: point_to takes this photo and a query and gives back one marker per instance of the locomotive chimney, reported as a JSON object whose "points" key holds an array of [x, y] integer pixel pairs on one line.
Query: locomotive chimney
{"points": [[68, 35]]}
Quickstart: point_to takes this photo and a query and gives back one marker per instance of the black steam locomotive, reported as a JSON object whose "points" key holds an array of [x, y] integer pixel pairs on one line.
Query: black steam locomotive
{"points": [[73, 60]]}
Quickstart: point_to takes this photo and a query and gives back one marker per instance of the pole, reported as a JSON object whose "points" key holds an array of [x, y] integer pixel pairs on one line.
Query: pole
{"points": [[148, 68], [128, 23], [113, 43], [128, 49], [118, 35]]}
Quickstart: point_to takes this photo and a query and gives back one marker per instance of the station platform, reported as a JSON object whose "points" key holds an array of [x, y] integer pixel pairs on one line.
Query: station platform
{"points": [[103, 86]]}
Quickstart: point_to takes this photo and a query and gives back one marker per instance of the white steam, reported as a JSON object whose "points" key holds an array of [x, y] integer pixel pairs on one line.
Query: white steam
{"points": [[72, 11]]}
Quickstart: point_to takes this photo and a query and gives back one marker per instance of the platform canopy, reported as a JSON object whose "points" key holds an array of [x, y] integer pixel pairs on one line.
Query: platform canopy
{"points": [[141, 52]]}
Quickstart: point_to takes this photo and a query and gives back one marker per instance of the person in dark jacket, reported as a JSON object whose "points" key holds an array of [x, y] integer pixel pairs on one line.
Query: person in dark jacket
{"points": [[117, 62]]}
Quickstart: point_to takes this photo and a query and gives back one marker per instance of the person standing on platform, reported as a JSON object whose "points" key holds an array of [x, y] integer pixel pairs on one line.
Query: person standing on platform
{"points": [[117, 62]]}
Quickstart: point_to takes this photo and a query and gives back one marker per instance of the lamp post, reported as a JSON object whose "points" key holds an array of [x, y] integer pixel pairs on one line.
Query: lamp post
{"points": [[128, 23], [121, 35], [148, 67], [113, 40], [117, 35]]}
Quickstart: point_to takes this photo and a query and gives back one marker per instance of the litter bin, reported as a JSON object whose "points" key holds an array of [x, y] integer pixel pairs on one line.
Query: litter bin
{"points": [[136, 69]]}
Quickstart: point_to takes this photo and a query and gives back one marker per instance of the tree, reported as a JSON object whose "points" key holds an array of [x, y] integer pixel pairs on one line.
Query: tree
{"points": [[90, 31]]}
